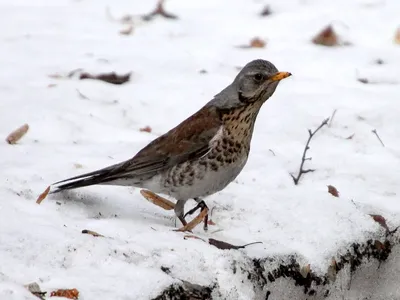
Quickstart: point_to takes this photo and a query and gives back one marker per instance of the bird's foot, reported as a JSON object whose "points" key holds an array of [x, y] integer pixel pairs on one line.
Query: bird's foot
{"points": [[203, 206], [196, 221]]}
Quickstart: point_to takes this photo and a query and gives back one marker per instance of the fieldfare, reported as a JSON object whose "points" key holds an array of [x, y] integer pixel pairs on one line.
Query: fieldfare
{"points": [[201, 155]]}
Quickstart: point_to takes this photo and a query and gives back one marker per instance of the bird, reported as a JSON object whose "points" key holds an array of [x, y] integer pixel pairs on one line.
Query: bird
{"points": [[204, 153]]}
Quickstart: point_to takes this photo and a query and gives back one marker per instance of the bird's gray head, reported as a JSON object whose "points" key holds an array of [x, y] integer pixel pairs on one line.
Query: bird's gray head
{"points": [[256, 82]]}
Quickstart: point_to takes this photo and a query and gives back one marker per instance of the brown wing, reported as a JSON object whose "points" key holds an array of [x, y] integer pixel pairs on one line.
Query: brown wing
{"points": [[189, 140]]}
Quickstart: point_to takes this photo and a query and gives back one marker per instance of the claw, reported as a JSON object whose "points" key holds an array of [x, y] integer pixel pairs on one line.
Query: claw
{"points": [[196, 221]]}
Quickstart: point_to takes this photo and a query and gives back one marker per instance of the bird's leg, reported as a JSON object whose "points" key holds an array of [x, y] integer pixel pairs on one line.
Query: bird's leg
{"points": [[179, 211], [200, 205]]}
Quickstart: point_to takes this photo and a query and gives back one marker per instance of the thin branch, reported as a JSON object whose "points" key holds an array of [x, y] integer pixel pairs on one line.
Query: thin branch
{"points": [[377, 135], [306, 148], [331, 119]]}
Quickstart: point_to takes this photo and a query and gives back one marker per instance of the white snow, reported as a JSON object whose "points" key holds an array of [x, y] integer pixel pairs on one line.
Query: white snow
{"points": [[43, 243]]}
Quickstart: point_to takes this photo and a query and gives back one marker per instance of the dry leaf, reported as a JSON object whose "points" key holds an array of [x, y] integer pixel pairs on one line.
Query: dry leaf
{"points": [[220, 244], [327, 37], [157, 200], [43, 195], [397, 36], [145, 129], [127, 31], [350, 137], [381, 220], [254, 43], [17, 134], [107, 77], [94, 233], [266, 11], [257, 43], [305, 270], [196, 221], [333, 191], [69, 294], [226, 246]]}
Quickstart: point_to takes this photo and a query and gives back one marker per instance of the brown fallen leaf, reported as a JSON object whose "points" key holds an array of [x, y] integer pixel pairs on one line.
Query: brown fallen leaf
{"points": [[196, 221], [17, 134], [94, 233], [266, 11], [43, 195], [112, 77], [220, 244], [145, 129], [159, 10], [381, 221], [69, 294], [327, 37], [333, 191], [127, 31], [350, 137], [254, 43], [397, 37], [157, 200], [226, 246]]}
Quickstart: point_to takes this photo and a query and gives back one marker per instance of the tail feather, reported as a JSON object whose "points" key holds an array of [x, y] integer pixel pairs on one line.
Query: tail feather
{"points": [[101, 176]]}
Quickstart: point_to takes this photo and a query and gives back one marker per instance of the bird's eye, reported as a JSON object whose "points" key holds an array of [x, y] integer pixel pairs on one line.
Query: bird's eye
{"points": [[259, 77]]}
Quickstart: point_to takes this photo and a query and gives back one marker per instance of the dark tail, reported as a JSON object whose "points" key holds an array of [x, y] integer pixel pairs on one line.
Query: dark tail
{"points": [[101, 176]]}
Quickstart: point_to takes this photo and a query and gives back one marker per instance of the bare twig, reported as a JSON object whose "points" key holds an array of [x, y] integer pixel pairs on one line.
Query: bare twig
{"points": [[81, 95], [331, 119], [377, 135], [307, 147], [159, 10]]}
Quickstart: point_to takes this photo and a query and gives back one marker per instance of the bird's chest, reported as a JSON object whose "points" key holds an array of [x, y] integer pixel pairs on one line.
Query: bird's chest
{"points": [[221, 165]]}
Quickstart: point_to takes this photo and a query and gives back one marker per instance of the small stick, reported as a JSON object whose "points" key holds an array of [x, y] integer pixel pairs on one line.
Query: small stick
{"points": [[377, 135], [331, 119], [307, 147], [91, 232]]}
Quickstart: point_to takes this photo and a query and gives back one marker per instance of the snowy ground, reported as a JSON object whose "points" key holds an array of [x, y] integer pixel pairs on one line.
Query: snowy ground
{"points": [[44, 243]]}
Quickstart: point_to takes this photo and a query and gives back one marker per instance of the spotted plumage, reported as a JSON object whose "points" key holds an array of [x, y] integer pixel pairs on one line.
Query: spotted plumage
{"points": [[204, 153]]}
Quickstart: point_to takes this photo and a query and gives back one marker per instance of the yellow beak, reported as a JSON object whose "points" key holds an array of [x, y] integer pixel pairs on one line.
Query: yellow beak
{"points": [[279, 76]]}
